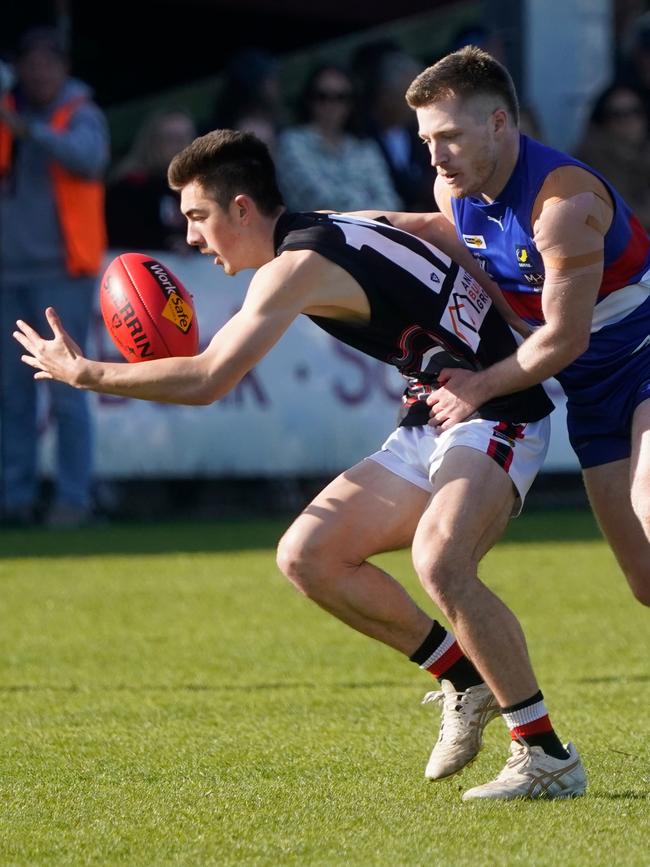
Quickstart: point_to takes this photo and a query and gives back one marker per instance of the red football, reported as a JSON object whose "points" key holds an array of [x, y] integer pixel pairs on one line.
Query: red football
{"points": [[147, 311]]}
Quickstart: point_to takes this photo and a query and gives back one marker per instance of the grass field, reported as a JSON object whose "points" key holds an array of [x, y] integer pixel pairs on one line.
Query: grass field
{"points": [[169, 699]]}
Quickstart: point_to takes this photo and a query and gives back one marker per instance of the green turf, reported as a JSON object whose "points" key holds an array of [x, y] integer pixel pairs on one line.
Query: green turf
{"points": [[169, 699]]}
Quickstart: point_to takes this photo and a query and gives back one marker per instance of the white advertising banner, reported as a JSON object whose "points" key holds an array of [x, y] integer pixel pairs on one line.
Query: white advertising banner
{"points": [[311, 407]]}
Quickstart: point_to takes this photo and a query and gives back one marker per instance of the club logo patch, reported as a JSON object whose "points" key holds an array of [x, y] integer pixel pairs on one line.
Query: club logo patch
{"points": [[523, 258]]}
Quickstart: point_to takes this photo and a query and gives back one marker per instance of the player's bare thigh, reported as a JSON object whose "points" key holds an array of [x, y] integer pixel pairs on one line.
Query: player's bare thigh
{"points": [[364, 511], [640, 464], [608, 488], [469, 510]]}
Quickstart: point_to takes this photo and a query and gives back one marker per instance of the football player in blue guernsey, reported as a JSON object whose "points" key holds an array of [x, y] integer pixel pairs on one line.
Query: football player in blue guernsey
{"points": [[571, 259], [446, 494]]}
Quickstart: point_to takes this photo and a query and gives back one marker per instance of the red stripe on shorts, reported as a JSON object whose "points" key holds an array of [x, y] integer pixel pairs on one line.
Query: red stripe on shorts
{"points": [[501, 453]]}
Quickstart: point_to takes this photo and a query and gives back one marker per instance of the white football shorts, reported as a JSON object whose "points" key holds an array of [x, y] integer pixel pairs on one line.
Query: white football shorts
{"points": [[416, 453]]}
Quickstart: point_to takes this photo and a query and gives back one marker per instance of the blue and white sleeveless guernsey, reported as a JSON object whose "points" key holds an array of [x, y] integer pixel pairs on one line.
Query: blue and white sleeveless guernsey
{"points": [[606, 383]]}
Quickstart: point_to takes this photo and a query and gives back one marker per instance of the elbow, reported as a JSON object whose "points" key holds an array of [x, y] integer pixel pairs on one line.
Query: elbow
{"points": [[202, 400], [210, 393], [578, 345], [584, 346], [571, 348], [200, 395], [207, 395], [207, 384]]}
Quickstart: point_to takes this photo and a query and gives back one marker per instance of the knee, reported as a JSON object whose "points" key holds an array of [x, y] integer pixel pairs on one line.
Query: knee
{"points": [[303, 560], [446, 574], [642, 594], [639, 581], [641, 507], [634, 562]]}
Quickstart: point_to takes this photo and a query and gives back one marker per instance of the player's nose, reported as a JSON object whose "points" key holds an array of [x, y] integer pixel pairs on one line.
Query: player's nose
{"points": [[438, 155], [193, 236]]}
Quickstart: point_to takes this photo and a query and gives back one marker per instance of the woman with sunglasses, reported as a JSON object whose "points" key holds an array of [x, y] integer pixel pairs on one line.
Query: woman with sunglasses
{"points": [[321, 163], [616, 144]]}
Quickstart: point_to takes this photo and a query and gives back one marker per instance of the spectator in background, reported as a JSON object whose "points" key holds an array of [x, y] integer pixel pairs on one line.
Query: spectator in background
{"points": [[530, 124], [54, 148], [481, 36], [321, 163], [634, 61], [616, 144], [249, 99], [384, 72], [142, 213]]}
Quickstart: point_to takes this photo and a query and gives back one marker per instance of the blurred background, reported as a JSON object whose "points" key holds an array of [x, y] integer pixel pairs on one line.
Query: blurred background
{"points": [[298, 74]]}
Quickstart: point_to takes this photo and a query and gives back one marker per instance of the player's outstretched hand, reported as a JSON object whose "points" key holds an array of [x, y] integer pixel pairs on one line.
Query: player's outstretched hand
{"points": [[58, 358]]}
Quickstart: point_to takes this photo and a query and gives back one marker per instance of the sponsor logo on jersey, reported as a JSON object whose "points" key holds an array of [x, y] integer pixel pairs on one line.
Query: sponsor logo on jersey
{"points": [[468, 303], [523, 257], [477, 242], [535, 280], [645, 342], [497, 220]]}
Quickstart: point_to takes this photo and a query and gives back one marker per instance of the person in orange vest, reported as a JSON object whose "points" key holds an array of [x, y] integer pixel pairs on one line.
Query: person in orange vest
{"points": [[54, 149]]}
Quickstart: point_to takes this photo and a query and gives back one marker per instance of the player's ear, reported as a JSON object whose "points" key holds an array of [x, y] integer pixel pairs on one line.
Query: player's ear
{"points": [[243, 205], [499, 120]]}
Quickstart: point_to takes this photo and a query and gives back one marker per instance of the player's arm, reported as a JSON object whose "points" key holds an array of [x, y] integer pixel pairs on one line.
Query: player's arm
{"points": [[438, 229], [427, 226], [441, 232], [274, 299], [569, 234]]}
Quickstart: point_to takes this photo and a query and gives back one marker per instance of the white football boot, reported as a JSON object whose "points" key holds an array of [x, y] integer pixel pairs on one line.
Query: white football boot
{"points": [[464, 716], [531, 773]]}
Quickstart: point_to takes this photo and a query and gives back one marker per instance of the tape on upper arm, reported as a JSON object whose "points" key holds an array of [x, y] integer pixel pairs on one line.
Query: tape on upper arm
{"points": [[569, 233]]}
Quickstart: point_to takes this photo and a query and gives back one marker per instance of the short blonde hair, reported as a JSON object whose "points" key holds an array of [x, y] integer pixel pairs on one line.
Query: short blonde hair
{"points": [[465, 73]]}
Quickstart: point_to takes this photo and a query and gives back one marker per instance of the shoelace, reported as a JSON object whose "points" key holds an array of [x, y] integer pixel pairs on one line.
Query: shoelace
{"points": [[520, 755], [450, 701]]}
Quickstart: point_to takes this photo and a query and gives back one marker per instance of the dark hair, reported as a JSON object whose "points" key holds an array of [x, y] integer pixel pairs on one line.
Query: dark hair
{"points": [[227, 163], [600, 108], [304, 106], [366, 60], [243, 86], [464, 73], [42, 39]]}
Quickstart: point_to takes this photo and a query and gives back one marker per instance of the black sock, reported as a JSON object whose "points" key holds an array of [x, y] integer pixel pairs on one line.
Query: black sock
{"points": [[525, 726], [549, 742], [450, 664]]}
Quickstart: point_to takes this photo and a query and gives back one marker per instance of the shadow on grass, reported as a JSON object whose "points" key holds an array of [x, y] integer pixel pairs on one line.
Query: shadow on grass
{"points": [[242, 535], [198, 687], [143, 538], [628, 678], [621, 796]]}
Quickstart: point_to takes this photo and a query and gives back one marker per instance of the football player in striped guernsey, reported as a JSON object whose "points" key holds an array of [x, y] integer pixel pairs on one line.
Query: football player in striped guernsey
{"points": [[449, 494]]}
